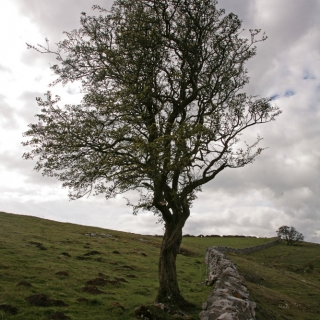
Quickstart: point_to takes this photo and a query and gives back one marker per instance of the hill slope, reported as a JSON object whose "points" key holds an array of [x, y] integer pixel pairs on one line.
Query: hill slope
{"points": [[50, 269]]}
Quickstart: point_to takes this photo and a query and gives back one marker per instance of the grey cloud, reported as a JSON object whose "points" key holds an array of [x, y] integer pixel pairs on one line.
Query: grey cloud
{"points": [[104, 214], [276, 175], [284, 177], [7, 114], [4, 69], [287, 26], [30, 106], [13, 162], [284, 22], [53, 18], [58, 16], [244, 9], [247, 221], [255, 215], [31, 57]]}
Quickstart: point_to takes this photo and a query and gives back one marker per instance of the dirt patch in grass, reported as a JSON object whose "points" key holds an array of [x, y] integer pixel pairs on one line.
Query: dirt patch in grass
{"points": [[83, 258], [121, 279], [24, 284], [187, 252], [66, 254], [103, 282], [83, 300], [159, 312], [132, 276], [38, 245], [126, 267], [94, 290], [62, 273], [100, 259], [58, 316], [42, 300], [8, 309], [91, 253], [118, 305], [102, 275], [253, 277], [97, 282]]}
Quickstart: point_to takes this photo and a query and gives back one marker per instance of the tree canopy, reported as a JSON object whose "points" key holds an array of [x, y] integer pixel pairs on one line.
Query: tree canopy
{"points": [[162, 113], [290, 234]]}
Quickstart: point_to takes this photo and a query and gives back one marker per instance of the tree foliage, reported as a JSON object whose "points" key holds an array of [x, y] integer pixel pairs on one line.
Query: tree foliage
{"points": [[290, 234], [163, 108]]}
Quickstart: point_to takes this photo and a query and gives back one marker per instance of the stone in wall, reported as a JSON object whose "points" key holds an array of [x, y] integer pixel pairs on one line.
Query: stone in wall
{"points": [[230, 298]]}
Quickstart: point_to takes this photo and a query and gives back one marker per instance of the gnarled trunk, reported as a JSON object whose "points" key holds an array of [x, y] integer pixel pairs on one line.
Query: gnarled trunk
{"points": [[169, 292]]}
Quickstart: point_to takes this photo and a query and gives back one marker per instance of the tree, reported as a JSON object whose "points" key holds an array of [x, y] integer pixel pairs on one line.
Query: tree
{"points": [[162, 113], [290, 234]]}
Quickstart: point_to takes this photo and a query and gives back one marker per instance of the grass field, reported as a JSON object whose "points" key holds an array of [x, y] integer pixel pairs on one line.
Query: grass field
{"points": [[50, 269]]}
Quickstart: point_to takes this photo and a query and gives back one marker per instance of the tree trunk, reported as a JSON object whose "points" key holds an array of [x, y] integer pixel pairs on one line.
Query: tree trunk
{"points": [[169, 292]]}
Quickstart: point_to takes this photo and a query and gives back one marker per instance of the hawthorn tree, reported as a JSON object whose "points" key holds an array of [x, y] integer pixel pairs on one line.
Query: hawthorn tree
{"points": [[290, 234], [162, 112]]}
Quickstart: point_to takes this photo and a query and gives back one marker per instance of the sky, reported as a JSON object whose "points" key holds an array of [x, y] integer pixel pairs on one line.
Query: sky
{"points": [[282, 187]]}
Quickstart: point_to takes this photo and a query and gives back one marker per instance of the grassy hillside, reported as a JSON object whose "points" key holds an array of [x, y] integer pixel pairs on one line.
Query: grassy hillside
{"points": [[50, 269], [284, 281]]}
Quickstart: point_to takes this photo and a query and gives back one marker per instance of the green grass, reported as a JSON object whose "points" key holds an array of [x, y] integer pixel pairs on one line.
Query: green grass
{"points": [[283, 280], [33, 250]]}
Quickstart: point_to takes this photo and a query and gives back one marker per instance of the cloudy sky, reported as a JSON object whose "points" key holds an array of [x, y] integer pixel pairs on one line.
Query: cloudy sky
{"points": [[282, 187]]}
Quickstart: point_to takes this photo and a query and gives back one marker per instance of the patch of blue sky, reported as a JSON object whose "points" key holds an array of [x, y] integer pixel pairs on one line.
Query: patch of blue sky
{"points": [[274, 97], [289, 93], [308, 75]]}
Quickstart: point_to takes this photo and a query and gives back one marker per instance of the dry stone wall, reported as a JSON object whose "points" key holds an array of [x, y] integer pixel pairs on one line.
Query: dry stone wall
{"points": [[247, 250], [229, 299]]}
